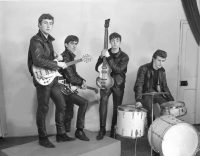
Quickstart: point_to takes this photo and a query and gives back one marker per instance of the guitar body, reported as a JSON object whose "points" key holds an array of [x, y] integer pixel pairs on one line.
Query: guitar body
{"points": [[43, 76], [105, 81]]}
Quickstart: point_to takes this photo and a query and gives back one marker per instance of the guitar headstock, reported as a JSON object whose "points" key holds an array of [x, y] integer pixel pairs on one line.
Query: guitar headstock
{"points": [[86, 58], [107, 23]]}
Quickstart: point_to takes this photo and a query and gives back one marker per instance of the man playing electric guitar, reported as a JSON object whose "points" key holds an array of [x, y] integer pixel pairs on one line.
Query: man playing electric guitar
{"points": [[41, 54], [72, 77]]}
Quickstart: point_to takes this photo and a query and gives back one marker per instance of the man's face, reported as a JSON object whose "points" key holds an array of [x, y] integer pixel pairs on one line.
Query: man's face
{"points": [[115, 43], [72, 45], [46, 26], [158, 62]]}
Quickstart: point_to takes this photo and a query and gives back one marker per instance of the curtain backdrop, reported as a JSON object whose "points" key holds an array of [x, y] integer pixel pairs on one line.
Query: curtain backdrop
{"points": [[193, 17]]}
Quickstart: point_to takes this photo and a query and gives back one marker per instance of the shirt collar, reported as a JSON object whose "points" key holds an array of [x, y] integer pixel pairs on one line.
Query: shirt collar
{"points": [[49, 38]]}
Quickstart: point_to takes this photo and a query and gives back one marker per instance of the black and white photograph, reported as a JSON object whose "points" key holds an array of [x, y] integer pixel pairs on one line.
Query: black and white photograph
{"points": [[100, 77]]}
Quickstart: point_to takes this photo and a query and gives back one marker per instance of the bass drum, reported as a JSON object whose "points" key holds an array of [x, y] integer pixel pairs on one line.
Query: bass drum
{"points": [[172, 137], [131, 121]]}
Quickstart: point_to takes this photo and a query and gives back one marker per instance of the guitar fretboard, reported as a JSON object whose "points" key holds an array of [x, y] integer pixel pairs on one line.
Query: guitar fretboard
{"points": [[74, 62]]}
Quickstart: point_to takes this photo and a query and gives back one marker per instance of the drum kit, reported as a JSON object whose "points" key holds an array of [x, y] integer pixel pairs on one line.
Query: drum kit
{"points": [[167, 135]]}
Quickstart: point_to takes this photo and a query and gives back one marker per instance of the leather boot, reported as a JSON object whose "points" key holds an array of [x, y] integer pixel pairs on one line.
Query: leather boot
{"points": [[81, 135], [112, 132], [101, 133], [44, 141], [63, 137], [155, 154], [68, 126]]}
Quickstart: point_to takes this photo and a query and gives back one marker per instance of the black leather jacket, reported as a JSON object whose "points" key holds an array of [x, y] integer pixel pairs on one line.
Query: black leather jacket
{"points": [[144, 82], [41, 52], [118, 63], [70, 73]]}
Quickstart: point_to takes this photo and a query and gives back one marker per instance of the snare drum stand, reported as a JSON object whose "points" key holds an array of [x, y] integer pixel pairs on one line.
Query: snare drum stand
{"points": [[152, 112]]}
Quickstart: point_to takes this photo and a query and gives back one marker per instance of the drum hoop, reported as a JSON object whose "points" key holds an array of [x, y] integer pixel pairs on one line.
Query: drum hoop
{"points": [[133, 108], [168, 107], [129, 137]]}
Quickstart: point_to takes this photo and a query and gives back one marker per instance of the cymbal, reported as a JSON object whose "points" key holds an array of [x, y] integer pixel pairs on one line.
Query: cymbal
{"points": [[154, 93]]}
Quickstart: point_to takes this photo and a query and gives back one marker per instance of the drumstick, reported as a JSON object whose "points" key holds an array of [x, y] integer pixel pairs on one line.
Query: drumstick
{"points": [[155, 93]]}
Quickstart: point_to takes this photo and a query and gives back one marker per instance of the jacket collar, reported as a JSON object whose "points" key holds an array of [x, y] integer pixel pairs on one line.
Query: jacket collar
{"points": [[115, 54], [151, 66], [50, 38], [68, 51]]}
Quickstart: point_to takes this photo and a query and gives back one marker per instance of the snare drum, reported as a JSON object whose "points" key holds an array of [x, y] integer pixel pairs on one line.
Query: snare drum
{"points": [[131, 121], [176, 108], [172, 137]]}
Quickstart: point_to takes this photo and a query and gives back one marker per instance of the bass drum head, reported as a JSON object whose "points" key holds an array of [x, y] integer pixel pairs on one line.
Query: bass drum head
{"points": [[180, 140]]}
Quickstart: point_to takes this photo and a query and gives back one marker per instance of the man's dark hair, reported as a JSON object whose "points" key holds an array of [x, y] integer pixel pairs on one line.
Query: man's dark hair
{"points": [[115, 35], [45, 16], [160, 53], [71, 38]]}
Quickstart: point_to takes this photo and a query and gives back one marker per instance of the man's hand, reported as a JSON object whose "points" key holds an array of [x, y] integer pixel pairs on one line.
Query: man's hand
{"points": [[62, 65], [84, 85], [105, 53], [138, 104], [59, 58]]}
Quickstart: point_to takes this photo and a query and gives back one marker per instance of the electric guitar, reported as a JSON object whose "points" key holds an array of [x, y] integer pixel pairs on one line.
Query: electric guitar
{"points": [[69, 88], [45, 76]]}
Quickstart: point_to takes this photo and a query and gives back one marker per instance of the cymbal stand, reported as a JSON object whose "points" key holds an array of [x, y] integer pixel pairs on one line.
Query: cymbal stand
{"points": [[152, 112]]}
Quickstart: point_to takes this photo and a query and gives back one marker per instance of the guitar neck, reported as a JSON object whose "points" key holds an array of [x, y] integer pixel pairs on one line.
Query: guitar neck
{"points": [[92, 88], [74, 62], [106, 38], [105, 42]]}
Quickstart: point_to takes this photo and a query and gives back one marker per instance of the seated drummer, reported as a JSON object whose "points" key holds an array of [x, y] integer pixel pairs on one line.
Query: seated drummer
{"points": [[151, 77]]}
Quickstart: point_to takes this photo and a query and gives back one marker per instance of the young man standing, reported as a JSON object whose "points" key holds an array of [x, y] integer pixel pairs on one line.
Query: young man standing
{"points": [[151, 77], [73, 78], [117, 61], [41, 54]]}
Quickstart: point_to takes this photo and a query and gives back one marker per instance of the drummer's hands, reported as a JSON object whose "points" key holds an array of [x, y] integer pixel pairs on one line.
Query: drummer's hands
{"points": [[138, 104]]}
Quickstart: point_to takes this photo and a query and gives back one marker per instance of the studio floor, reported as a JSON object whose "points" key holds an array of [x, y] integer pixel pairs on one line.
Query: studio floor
{"points": [[129, 147]]}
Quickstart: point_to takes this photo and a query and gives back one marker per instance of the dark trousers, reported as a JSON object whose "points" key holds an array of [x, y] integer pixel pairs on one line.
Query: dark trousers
{"points": [[82, 103], [147, 103], [44, 93], [118, 94]]}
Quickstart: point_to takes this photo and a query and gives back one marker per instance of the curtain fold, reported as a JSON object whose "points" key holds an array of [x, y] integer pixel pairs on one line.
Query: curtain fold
{"points": [[193, 17]]}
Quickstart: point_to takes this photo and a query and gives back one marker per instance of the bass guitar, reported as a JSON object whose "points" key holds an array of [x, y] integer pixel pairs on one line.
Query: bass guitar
{"points": [[45, 76], [69, 88], [105, 81]]}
